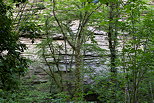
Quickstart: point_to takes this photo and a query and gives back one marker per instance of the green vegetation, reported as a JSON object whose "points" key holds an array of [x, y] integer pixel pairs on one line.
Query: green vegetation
{"points": [[12, 65], [91, 51]]}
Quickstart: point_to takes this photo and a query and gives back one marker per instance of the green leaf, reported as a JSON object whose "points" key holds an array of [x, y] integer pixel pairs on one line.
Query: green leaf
{"points": [[83, 0], [46, 0]]}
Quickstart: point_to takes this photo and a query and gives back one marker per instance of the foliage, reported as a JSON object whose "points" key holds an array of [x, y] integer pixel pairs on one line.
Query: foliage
{"points": [[12, 65], [25, 94], [70, 59]]}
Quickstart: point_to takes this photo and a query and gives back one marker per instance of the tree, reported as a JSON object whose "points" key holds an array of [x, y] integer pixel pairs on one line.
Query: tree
{"points": [[137, 49], [12, 65], [66, 15]]}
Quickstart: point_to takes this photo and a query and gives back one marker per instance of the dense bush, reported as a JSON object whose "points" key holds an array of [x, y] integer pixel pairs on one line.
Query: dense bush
{"points": [[12, 65]]}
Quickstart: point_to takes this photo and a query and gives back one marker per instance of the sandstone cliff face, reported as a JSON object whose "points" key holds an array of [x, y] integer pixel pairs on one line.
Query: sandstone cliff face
{"points": [[38, 65], [32, 37], [92, 61]]}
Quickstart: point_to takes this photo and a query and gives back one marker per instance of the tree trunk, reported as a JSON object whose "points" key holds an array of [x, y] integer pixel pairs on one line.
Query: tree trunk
{"points": [[112, 39], [78, 76]]}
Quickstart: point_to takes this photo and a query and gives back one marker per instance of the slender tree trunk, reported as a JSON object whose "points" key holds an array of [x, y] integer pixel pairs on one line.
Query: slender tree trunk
{"points": [[78, 76], [112, 39]]}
